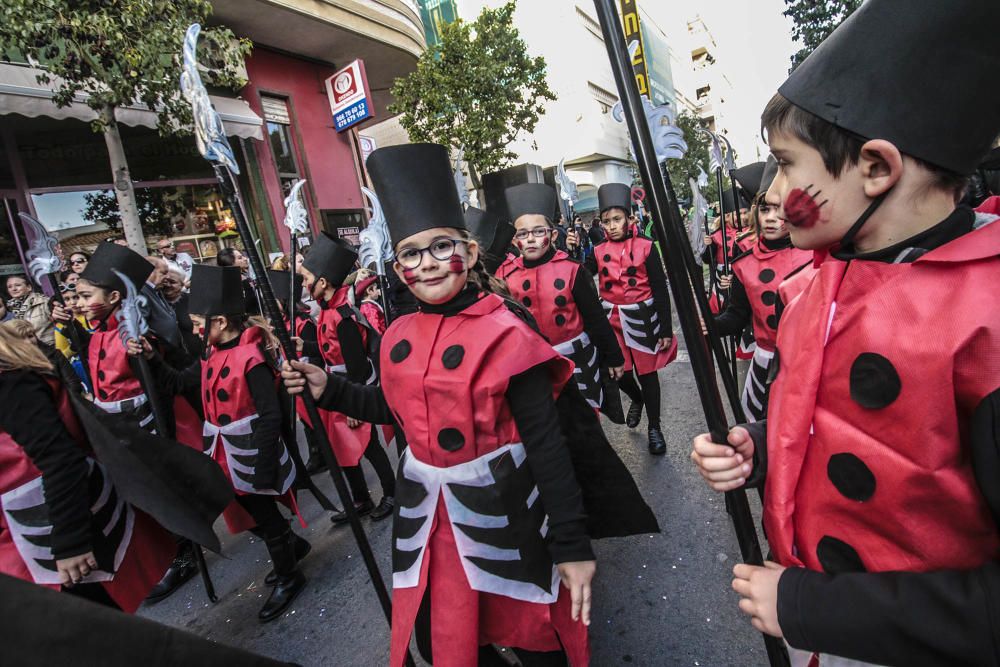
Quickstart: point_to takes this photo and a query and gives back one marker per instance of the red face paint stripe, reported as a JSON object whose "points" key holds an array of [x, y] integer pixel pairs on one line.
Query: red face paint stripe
{"points": [[801, 209], [456, 264], [410, 276]]}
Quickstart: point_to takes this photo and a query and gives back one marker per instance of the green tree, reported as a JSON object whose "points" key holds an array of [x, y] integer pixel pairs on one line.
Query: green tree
{"points": [[475, 90], [697, 156], [814, 20], [117, 53]]}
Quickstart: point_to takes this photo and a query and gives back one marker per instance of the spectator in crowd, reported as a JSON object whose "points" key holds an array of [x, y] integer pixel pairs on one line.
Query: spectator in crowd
{"points": [[172, 287], [165, 248], [25, 304], [78, 262]]}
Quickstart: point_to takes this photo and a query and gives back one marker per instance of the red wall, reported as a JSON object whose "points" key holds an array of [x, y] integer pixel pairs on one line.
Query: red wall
{"points": [[326, 157]]}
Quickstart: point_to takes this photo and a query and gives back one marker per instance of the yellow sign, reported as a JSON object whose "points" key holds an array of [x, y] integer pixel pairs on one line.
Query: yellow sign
{"points": [[633, 39]]}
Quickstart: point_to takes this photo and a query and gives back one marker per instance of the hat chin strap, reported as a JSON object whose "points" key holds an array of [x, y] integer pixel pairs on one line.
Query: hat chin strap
{"points": [[856, 227]]}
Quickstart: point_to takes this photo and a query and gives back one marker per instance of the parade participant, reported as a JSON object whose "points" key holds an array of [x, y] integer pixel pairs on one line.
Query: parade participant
{"points": [[633, 290], [343, 346], [757, 274], [243, 420], [62, 523], [366, 295], [64, 339], [559, 292], [880, 450], [470, 382]]}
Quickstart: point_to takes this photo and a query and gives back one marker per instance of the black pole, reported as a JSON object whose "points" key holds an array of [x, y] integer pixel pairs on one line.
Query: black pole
{"points": [[671, 237], [725, 263], [736, 201], [230, 190]]}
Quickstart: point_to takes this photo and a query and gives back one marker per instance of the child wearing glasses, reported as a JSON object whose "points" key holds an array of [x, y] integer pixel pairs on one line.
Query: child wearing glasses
{"points": [[633, 290], [560, 294]]}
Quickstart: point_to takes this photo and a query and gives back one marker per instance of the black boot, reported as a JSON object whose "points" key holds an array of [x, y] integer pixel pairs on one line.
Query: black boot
{"points": [[181, 569], [363, 508], [290, 581], [384, 508], [301, 549], [634, 414], [657, 445]]}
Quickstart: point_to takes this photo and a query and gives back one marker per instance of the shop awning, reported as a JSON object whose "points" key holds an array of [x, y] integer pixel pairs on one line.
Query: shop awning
{"points": [[20, 93]]}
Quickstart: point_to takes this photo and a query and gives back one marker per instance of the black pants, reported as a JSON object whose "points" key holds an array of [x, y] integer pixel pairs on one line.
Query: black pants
{"points": [[94, 592], [271, 523], [380, 462], [647, 392]]}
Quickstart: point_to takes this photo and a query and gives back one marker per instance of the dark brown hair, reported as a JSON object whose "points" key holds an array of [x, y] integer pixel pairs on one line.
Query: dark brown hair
{"points": [[839, 148]]}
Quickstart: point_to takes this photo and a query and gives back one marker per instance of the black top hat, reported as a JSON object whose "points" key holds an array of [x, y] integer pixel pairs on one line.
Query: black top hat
{"points": [[911, 73], [331, 258], [530, 198], [749, 178], [216, 290], [614, 195], [416, 188], [770, 171], [109, 256], [280, 285], [727, 200], [494, 236]]}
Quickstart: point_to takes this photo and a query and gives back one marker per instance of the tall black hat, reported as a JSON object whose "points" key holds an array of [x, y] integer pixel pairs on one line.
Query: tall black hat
{"points": [[216, 290], [911, 73], [416, 188], [727, 200], [281, 284], [109, 256], [770, 171], [331, 258], [494, 235], [530, 198], [749, 178], [614, 195]]}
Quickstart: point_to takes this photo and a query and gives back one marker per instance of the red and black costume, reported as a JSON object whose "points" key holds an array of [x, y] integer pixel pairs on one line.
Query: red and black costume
{"points": [[57, 501], [757, 275]]}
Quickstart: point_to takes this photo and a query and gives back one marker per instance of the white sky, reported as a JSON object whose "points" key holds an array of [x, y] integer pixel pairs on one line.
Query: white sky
{"points": [[754, 49]]}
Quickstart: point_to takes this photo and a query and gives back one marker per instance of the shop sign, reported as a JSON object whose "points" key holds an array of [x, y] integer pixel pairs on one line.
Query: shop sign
{"points": [[350, 99]]}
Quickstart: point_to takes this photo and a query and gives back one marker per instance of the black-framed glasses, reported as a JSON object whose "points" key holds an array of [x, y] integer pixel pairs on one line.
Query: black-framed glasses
{"points": [[537, 232], [78, 261], [440, 249]]}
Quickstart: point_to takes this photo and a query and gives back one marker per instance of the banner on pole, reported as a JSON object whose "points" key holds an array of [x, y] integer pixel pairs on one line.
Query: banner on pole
{"points": [[634, 40]]}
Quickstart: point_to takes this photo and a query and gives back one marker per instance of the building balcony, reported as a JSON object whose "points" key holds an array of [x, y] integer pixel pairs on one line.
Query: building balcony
{"points": [[386, 34]]}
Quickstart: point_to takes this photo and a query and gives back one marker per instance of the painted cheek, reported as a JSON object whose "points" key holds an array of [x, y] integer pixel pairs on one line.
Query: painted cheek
{"points": [[410, 276], [456, 264], [546, 241], [801, 208]]}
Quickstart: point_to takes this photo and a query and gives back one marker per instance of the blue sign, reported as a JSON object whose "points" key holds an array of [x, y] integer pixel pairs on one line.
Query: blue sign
{"points": [[352, 115]]}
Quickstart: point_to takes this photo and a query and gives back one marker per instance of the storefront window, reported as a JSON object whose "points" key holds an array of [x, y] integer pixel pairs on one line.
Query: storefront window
{"points": [[279, 134]]}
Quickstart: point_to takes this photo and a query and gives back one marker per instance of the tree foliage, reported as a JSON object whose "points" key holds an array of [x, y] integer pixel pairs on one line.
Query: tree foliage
{"points": [[697, 156], [157, 208], [118, 52], [475, 90], [814, 20]]}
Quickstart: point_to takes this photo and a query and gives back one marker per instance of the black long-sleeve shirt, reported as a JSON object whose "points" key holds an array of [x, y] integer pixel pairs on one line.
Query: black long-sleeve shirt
{"points": [[737, 314], [28, 412]]}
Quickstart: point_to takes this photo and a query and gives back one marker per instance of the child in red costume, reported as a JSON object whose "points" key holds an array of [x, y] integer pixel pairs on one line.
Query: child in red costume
{"points": [[473, 386], [880, 452], [367, 294], [633, 290]]}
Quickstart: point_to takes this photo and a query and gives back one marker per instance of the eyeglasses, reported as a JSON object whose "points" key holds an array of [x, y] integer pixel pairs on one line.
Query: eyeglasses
{"points": [[440, 249], [537, 232], [77, 261]]}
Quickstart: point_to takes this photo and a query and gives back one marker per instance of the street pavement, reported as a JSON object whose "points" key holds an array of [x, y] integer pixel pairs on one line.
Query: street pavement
{"points": [[658, 599]]}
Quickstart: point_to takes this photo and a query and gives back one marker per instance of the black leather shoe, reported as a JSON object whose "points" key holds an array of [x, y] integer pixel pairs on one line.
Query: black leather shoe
{"points": [[634, 414], [384, 508], [302, 549], [363, 509], [657, 445], [180, 570]]}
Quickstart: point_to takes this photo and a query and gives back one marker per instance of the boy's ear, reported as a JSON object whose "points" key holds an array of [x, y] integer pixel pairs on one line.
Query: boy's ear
{"points": [[881, 166]]}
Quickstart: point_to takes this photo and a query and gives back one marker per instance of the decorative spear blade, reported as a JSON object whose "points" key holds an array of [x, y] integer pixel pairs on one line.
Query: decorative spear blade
{"points": [[209, 132], [668, 138], [463, 192], [296, 218], [41, 255], [567, 188], [131, 322], [730, 154], [376, 248]]}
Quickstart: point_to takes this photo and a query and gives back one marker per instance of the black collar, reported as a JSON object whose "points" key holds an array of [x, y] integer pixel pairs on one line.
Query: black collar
{"points": [[777, 244], [547, 257], [457, 304], [958, 223]]}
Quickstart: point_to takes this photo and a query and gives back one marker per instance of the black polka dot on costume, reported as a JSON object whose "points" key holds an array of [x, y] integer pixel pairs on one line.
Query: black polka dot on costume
{"points": [[209, 373], [323, 327], [608, 285], [222, 394], [768, 298], [560, 301], [451, 439], [100, 375], [224, 419], [526, 301], [766, 276], [559, 283], [208, 396], [526, 284], [874, 381], [103, 394], [851, 476], [772, 321], [326, 347], [453, 356], [837, 556], [560, 320], [605, 272], [102, 354], [632, 282], [224, 372], [607, 258], [631, 271], [400, 351]]}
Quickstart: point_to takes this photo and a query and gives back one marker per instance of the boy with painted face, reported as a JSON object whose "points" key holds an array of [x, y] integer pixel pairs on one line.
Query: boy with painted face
{"points": [[757, 274], [633, 290], [880, 448], [343, 347], [559, 292]]}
